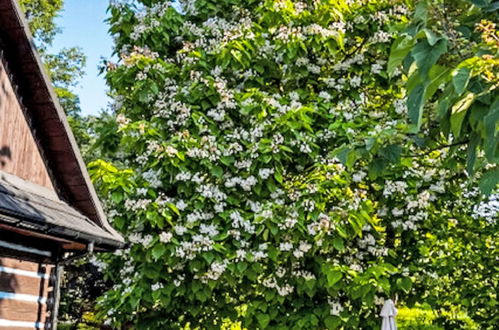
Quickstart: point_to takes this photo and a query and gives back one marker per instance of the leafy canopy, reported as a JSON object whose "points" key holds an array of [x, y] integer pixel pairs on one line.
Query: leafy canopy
{"points": [[281, 164]]}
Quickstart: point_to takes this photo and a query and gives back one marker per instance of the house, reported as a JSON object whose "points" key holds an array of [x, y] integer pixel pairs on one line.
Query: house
{"points": [[49, 211]]}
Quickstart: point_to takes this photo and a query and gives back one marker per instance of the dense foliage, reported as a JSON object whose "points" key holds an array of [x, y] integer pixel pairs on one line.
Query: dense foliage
{"points": [[41, 16], [449, 53], [264, 168]]}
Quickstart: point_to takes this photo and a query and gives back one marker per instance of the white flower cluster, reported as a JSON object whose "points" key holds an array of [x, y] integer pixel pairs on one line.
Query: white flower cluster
{"points": [[197, 215], [134, 205], [190, 249], [334, 30], [157, 286], [149, 18], [138, 238], [323, 223], [238, 222], [381, 37], [335, 307], [400, 106], [216, 270], [394, 187], [282, 290], [261, 253], [245, 183], [488, 209], [165, 237], [153, 178], [303, 248]]}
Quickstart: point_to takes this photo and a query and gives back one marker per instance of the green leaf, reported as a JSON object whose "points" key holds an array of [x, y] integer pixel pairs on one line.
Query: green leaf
{"points": [[377, 167], [278, 176], [338, 244], [421, 11], [202, 295], [427, 55], [332, 322], [341, 231], [471, 157], [154, 88], [158, 251], [356, 223], [151, 216], [443, 105], [459, 112], [334, 277], [431, 37], [348, 156], [415, 102], [481, 3], [489, 181], [151, 270], [217, 171], [119, 222], [392, 153], [310, 284], [174, 208], [241, 266], [491, 138], [117, 197], [134, 301], [208, 256], [438, 75], [227, 160], [219, 247], [399, 51], [389, 267], [263, 320], [342, 154], [406, 284], [370, 143], [460, 79]]}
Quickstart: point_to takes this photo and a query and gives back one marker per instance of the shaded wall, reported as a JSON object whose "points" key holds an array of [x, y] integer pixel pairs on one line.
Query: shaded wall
{"points": [[25, 294], [19, 153]]}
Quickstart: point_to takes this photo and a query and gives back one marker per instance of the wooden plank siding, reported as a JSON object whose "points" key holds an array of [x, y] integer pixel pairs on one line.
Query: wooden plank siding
{"points": [[19, 153], [22, 311], [25, 293]]}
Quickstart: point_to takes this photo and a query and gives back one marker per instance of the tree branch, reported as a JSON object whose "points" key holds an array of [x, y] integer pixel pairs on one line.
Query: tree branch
{"points": [[426, 153]]}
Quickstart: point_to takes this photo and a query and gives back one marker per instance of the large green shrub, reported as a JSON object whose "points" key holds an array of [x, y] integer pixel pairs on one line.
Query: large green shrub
{"points": [[266, 171]]}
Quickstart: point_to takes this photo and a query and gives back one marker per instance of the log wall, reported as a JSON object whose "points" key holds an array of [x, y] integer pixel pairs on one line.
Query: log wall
{"points": [[19, 153], [25, 294]]}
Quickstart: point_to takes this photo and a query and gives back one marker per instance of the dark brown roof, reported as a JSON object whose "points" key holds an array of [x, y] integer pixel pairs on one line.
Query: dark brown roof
{"points": [[38, 208], [47, 119]]}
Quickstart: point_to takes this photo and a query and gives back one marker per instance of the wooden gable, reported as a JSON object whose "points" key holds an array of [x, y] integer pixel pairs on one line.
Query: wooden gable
{"points": [[19, 153], [38, 148], [48, 126], [48, 206]]}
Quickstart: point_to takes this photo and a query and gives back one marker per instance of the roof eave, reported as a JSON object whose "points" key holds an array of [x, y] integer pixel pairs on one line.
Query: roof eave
{"points": [[101, 243]]}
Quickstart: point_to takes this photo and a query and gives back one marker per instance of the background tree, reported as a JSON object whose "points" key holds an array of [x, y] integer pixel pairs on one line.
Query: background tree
{"points": [[266, 171], [65, 68], [41, 15], [448, 53]]}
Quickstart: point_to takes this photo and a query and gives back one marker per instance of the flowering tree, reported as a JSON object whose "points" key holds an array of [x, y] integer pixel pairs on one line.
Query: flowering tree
{"points": [[450, 56], [267, 172]]}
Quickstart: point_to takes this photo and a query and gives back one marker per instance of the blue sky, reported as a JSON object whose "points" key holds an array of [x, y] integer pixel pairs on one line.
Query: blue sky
{"points": [[82, 24]]}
